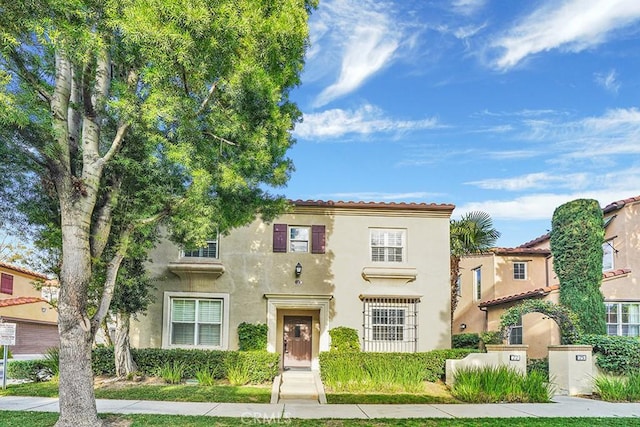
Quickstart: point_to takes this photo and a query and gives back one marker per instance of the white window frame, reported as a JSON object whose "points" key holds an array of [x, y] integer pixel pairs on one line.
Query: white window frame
{"points": [[477, 283], [298, 243], [615, 319], [608, 256], [167, 321], [204, 252], [373, 341], [522, 273], [388, 244]]}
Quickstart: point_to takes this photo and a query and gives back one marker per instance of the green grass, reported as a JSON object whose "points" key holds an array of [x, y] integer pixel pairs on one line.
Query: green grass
{"points": [[42, 419], [499, 384], [394, 398], [178, 393], [618, 389]]}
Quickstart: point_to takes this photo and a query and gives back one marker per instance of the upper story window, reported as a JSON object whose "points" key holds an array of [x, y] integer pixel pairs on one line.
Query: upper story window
{"points": [[299, 238], [208, 251], [519, 270], [608, 253], [477, 283], [6, 284], [387, 245]]}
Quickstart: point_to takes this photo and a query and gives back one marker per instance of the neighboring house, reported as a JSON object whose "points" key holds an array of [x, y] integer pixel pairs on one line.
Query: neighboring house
{"points": [[22, 303], [380, 268], [493, 282]]}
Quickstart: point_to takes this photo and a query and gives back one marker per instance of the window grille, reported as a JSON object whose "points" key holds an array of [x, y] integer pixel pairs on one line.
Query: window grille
{"points": [[390, 324], [208, 251]]}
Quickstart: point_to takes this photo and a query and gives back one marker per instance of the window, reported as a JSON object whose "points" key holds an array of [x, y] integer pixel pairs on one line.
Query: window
{"points": [[607, 255], [515, 335], [477, 283], [387, 245], [519, 270], [208, 251], [296, 238], [623, 318], [6, 284], [196, 320], [390, 324]]}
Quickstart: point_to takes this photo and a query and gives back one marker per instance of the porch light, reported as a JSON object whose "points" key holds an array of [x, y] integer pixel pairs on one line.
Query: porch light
{"points": [[463, 326], [298, 269]]}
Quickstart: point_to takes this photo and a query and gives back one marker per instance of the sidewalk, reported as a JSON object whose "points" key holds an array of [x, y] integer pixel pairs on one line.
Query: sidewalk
{"points": [[563, 406]]}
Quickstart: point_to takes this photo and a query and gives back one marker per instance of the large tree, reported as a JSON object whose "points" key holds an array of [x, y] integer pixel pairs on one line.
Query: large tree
{"points": [[473, 233], [127, 113], [577, 235]]}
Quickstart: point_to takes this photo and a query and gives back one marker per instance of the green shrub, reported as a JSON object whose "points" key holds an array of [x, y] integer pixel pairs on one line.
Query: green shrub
{"points": [[618, 389], [363, 371], [344, 339], [52, 358], [238, 372], [490, 338], [252, 336], [263, 366], [538, 365], [25, 369], [466, 340], [499, 384], [171, 373], [207, 376], [9, 355], [615, 354]]}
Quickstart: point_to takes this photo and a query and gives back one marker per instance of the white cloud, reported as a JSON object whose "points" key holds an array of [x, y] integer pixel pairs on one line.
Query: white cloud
{"points": [[363, 35], [572, 25], [540, 180], [609, 81], [367, 119], [467, 7]]}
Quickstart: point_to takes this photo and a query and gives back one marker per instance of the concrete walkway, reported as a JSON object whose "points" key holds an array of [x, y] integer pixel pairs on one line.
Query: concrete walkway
{"points": [[562, 406]]}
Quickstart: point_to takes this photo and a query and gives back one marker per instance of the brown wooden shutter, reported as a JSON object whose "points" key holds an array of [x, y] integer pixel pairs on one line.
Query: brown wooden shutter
{"points": [[317, 239], [279, 237], [6, 284]]}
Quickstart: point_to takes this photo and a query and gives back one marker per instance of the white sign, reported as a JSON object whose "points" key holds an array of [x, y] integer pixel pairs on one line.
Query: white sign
{"points": [[7, 334]]}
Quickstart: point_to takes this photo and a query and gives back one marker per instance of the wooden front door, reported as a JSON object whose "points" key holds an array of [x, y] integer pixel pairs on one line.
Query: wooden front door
{"points": [[297, 342]]}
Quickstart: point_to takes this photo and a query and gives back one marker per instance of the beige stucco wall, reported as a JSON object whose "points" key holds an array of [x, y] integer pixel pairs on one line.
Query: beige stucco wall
{"points": [[23, 286], [252, 270]]}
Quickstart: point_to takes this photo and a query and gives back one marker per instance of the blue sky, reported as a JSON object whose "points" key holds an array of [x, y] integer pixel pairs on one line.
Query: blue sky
{"points": [[510, 107]]}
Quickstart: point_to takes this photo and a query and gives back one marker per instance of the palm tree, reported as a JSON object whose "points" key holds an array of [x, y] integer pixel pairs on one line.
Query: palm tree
{"points": [[473, 233]]}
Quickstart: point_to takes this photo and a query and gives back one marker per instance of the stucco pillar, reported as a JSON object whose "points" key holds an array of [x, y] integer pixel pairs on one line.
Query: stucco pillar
{"points": [[571, 369], [512, 356]]}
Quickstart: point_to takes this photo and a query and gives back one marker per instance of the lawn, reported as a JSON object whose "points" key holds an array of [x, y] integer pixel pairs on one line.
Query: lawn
{"points": [[44, 419]]}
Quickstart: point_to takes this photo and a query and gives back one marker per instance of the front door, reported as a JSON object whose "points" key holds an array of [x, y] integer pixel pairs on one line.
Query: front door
{"points": [[297, 342]]}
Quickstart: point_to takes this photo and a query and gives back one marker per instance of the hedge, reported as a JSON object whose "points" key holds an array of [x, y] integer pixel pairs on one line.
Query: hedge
{"points": [[344, 339], [263, 366], [26, 369], [466, 340], [252, 336], [433, 362], [615, 354]]}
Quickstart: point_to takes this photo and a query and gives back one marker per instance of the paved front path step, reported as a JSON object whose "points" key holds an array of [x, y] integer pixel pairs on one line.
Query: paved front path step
{"points": [[301, 387]]}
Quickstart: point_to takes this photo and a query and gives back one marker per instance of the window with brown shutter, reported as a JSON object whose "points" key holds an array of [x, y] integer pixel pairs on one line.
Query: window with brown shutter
{"points": [[6, 284], [279, 237], [317, 239]]}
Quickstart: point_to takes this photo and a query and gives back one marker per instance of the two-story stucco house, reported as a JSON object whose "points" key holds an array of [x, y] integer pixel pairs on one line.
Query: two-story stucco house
{"points": [[493, 282], [26, 305], [380, 268]]}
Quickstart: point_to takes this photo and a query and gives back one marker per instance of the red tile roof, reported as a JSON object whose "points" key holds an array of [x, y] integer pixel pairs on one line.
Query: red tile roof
{"points": [[23, 270], [10, 302], [620, 204], [614, 273], [366, 205], [521, 251], [534, 293]]}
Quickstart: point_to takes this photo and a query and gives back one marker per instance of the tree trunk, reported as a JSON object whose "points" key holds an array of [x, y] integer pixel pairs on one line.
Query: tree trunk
{"points": [[77, 398], [125, 364], [453, 281]]}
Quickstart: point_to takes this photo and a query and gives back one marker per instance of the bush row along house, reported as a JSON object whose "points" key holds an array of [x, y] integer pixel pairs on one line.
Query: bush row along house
{"points": [[27, 305], [380, 268], [491, 283]]}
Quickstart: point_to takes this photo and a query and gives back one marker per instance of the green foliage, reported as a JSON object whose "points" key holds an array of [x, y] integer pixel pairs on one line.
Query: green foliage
{"points": [[238, 371], [618, 389], [567, 320], [263, 366], [615, 354], [344, 339], [577, 235], [207, 376], [26, 369], [499, 384], [52, 358], [171, 373], [466, 340], [252, 336], [9, 355], [490, 337], [538, 365], [368, 371]]}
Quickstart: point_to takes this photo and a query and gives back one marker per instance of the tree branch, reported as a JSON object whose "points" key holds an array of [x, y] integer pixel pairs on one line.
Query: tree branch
{"points": [[117, 142], [29, 76], [207, 100], [102, 225]]}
